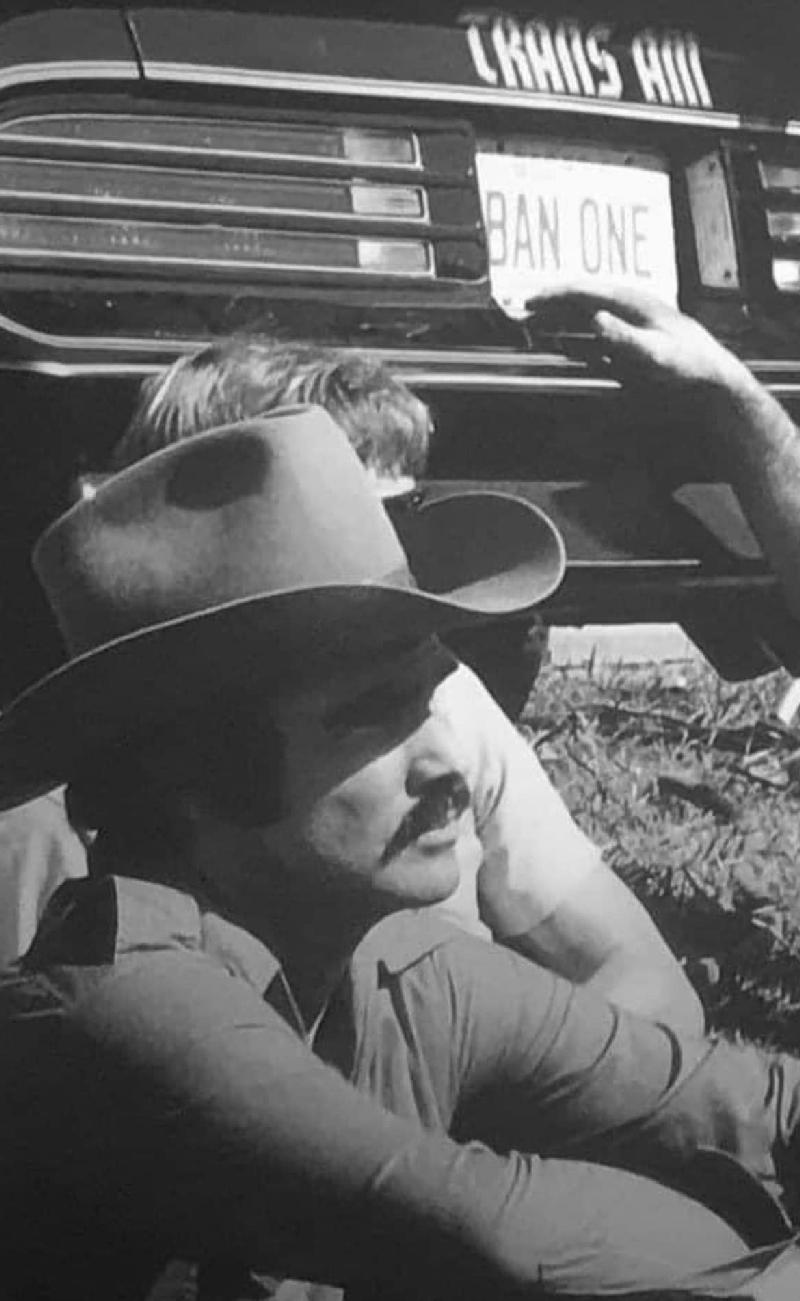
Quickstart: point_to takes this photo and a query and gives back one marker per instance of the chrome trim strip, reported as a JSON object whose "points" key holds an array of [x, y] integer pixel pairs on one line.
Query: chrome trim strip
{"points": [[80, 370], [161, 70], [24, 74], [251, 79], [575, 385], [780, 366], [666, 562], [446, 370], [486, 381], [56, 341], [417, 376], [784, 390]]}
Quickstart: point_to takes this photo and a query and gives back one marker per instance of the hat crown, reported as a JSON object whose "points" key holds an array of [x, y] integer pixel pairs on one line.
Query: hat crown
{"points": [[250, 510], [241, 562]]}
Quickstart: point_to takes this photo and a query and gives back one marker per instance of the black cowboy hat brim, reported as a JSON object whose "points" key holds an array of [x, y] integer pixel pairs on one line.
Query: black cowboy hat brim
{"points": [[129, 687]]}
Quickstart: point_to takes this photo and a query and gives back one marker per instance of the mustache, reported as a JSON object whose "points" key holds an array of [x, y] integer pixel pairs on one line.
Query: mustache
{"points": [[443, 800]]}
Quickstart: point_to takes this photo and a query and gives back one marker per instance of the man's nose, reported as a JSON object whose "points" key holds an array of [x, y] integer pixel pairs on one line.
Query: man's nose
{"points": [[433, 751]]}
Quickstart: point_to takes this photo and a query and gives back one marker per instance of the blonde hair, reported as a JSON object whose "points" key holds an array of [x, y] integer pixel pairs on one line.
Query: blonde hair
{"points": [[241, 377]]}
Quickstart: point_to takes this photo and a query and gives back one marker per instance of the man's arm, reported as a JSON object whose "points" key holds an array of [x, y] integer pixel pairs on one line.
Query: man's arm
{"points": [[204, 1121], [756, 443], [718, 1120], [600, 936], [543, 888]]}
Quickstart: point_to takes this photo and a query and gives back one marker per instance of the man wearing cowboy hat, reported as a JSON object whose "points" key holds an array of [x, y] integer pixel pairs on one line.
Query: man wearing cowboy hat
{"points": [[233, 1044], [536, 881], [533, 879]]}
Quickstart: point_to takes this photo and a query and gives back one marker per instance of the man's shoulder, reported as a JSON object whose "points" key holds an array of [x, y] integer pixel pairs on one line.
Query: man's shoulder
{"points": [[469, 706], [489, 741], [409, 940], [38, 850], [124, 922], [92, 930], [97, 921], [534, 854], [499, 762], [131, 967], [43, 820]]}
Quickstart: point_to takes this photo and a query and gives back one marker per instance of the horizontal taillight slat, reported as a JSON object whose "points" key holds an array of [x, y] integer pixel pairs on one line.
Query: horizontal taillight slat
{"points": [[780, 176], [784, 226], [96, 184], [102, 243], [786, 273], [220, 136], [780, 194]]}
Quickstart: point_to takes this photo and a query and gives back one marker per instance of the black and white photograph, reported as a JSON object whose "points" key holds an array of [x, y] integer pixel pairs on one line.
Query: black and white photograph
{"points": [[399, 650]]}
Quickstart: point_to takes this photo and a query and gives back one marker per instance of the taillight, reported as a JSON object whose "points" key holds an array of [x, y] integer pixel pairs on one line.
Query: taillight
{"points": [[78, 187], [107, 205], [225, 138], [781, 190], [60, 242]]}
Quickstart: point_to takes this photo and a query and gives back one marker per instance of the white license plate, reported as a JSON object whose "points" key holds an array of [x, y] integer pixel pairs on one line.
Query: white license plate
{"points": [[553, 220]]}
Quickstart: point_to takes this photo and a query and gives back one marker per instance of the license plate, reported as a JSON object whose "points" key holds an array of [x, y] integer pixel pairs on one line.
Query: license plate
{"points": [[555, 220]]}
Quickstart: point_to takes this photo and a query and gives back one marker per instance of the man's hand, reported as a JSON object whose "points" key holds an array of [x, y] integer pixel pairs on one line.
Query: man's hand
{"points": [[646, 342], [642, 337]]}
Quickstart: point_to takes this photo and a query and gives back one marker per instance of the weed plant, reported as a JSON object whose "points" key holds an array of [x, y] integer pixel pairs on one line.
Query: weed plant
{"points": [[692, 787]]}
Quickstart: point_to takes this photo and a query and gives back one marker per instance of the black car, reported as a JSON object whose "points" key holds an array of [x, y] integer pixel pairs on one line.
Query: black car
{"points": [[399, 178]]}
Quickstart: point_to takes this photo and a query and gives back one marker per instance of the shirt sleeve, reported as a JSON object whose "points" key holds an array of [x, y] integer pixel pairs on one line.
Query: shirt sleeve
{"points": [[534, 854], [548, 1067], [203, 1121], [38, 851]]}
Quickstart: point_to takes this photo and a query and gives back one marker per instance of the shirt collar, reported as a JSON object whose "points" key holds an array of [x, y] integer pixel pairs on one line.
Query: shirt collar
{"points": [[241, 952], [102, 919], [403, 939], [147, 909], [152, 914], [105, 918]]}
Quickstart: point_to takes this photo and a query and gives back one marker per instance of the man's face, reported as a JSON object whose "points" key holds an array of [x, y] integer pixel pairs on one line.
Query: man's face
{"points": [[374, 812], [375, 800]]}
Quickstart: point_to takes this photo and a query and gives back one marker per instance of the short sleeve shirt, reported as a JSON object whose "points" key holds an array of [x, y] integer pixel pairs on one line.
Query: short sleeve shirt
{"points": [[532, 854], [38, 850]]}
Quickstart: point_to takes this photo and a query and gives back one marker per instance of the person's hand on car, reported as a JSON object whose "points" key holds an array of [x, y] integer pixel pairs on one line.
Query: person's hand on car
{"points": [[640, 337], [654, 348]]}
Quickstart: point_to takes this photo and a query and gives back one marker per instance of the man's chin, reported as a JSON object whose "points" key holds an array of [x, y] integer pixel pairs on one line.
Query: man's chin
{"points": [[430, 870]]}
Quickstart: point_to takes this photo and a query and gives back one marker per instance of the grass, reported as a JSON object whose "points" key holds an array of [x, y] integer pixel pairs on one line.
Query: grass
{"points": [[692, 787]]}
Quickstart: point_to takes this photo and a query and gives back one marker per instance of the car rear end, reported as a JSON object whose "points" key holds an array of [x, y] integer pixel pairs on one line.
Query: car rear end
{"points": [[170, 175]]}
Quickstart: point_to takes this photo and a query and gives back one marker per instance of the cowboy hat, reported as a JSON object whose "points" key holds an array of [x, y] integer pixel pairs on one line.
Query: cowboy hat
{"points": [[242, 560]]}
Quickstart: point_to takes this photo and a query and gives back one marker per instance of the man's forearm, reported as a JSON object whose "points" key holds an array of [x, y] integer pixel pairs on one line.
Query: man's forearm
{"points": [[659, 991], [757, 445], [602, 938], [653, 987]]}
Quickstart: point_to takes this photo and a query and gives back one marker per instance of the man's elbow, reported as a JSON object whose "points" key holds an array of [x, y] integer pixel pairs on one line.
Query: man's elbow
{"points": [[656, 989], [683, 1008]]}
